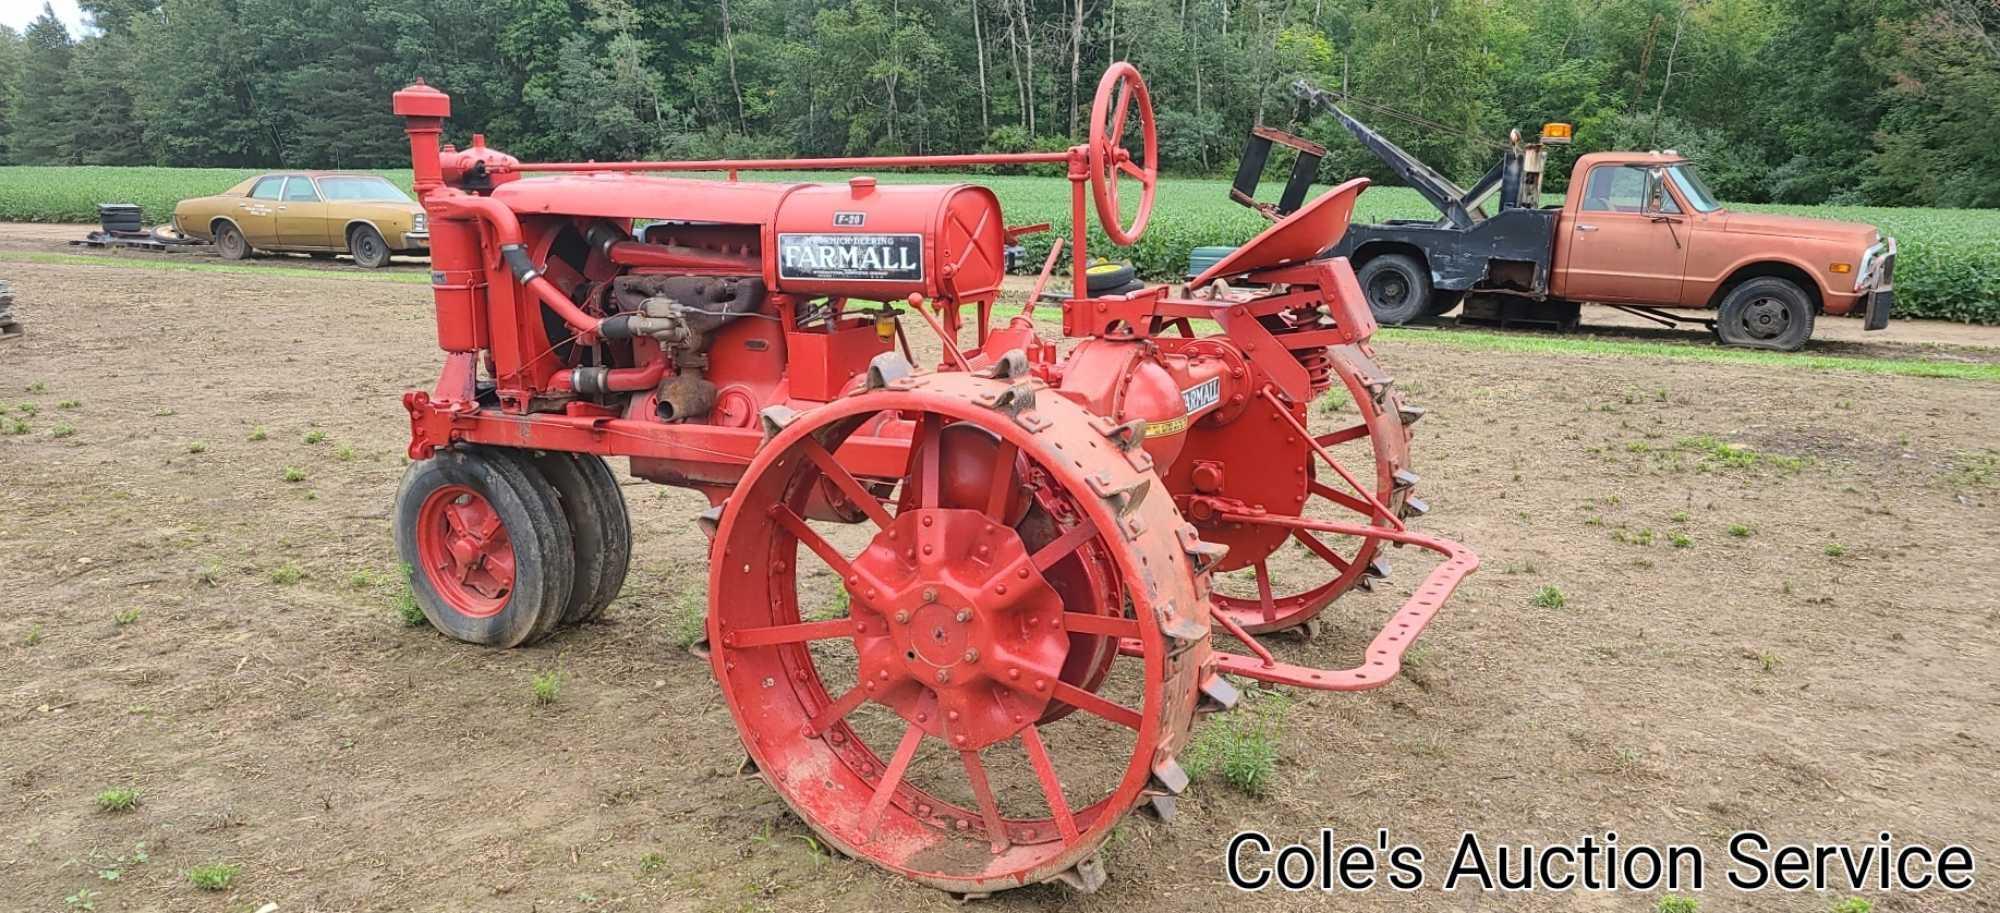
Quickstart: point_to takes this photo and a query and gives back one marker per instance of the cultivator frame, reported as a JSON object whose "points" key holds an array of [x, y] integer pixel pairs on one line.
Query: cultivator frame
{"points": [[1032, 517]]}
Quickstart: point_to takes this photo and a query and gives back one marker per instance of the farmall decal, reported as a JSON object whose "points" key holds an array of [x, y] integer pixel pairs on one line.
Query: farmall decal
{"points": [[852, 257], [1202, 395]]}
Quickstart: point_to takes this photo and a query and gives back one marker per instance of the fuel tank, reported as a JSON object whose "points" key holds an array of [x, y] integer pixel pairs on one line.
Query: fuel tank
{"points": [[887, 241]]}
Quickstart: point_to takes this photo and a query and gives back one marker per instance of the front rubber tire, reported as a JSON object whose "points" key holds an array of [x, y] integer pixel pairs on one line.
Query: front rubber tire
{"points": [[542, 572], [365, 244], [600, 529], [230, 243], [1766, 313], [1398, 288]]}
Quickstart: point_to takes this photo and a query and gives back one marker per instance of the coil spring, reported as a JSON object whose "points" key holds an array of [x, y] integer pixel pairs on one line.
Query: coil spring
{"points": [[1319, 367]]}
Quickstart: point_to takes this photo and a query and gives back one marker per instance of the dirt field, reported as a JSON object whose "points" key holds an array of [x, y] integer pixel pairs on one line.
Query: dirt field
{"points": [[1804, 642]]}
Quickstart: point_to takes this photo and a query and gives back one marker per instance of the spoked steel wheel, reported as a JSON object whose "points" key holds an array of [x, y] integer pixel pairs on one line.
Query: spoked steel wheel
{"points": [[966, 719], [1277, 577]]}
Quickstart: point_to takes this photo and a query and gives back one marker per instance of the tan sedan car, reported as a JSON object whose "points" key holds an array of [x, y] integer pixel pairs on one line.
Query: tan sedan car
{"points": [[321, 213]]}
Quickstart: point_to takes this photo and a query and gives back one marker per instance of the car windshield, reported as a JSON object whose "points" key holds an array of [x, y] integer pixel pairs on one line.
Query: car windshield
{"points": [[361, 190], [1697, 193]]}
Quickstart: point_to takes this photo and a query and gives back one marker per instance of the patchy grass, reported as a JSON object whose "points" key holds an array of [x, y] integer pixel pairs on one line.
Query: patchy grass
{"points": [[687, 616], [118, 799], [208, 574], [14, 426], [1739, 531], [197, 446], [547, 686], [1835, 550], [1975, 469], [294, 474], [1539, 344], [315, 436], [1680, 540], [1852, 905], [1548, 597], [411, 614], [258, 433], [1677, 903], [287, 574], [62, 430], [1241, 747], [214, 876], [1334, 401], [1642, 537], [125, 618]]}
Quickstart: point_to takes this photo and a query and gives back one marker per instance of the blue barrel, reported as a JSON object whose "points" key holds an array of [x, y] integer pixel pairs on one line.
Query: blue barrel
{"points": [[1201, 258]]}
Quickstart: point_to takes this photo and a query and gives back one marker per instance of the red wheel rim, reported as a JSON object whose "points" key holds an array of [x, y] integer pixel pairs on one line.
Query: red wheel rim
{"points": [[1376, 427], [465, 551], [935, 751]]}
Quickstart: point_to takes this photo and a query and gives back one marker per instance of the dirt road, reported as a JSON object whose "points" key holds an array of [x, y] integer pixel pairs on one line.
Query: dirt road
{"points": [[1803, 640]]}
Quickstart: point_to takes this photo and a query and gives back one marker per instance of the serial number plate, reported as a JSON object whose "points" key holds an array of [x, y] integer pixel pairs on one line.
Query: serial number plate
{"points": [[851, 257]]}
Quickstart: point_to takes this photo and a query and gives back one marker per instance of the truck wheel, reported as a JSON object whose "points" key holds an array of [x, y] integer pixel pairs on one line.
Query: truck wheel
{"points": [[490, 557], [1766, 313], [367, 246], [600, 529], [1397, 286], [230, 243]]}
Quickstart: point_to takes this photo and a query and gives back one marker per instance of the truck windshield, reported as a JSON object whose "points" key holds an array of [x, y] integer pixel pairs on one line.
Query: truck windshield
{"points": [[1691, 187], [361, 190]]}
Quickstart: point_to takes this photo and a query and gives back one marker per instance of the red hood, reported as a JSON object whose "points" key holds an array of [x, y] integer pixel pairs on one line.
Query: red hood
{"points": [[1759, 223]]}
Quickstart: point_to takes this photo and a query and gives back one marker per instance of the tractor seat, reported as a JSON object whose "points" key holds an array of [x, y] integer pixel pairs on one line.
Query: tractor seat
{"points": [[1296, 238]]}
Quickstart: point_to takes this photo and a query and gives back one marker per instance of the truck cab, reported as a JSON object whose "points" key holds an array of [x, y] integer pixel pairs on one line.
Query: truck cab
{"points": [[1636, 231]]}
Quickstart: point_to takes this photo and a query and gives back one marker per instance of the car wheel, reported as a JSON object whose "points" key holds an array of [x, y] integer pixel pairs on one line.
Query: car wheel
{"points": [[1397, 286], [367, 246], [229, 242], [1766, 313]]}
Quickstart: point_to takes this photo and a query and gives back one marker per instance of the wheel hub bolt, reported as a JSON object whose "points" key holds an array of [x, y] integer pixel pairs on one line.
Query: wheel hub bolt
{"points": [[930, 594], [944, 676], [972, 655], [903, 617], [963, 616]]}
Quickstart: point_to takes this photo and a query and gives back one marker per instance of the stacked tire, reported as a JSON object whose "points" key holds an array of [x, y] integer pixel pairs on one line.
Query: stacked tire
{"points": [[505, 546]]}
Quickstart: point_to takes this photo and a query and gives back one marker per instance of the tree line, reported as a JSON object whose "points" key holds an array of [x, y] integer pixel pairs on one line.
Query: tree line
{"points": [[1889, 102]]}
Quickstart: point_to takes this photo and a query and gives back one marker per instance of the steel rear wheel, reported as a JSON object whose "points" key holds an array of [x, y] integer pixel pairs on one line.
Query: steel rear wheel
{"points": [[999, 567], [1264, 590]]}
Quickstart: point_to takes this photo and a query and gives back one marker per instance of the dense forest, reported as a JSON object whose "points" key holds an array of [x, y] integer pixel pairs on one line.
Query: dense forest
{"points": [[1891, 102]]}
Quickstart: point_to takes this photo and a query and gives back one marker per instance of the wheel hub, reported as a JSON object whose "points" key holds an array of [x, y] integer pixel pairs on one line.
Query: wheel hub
{"points": [[1765, 318], [955, 628], [466, 550]]}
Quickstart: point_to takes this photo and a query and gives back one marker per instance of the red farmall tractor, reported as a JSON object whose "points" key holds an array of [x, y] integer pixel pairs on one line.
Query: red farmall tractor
{"points": [[963, 617]]}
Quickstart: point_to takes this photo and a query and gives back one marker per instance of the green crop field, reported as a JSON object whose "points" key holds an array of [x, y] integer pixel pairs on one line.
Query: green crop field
{"points": [[1949, 266]]}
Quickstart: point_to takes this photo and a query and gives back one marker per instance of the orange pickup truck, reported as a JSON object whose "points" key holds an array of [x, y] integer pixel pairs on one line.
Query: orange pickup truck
{"points": [[1637, 231]]}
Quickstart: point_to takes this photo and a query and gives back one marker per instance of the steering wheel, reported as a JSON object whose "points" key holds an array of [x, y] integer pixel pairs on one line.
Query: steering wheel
{"points": [[1109, 159]]}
